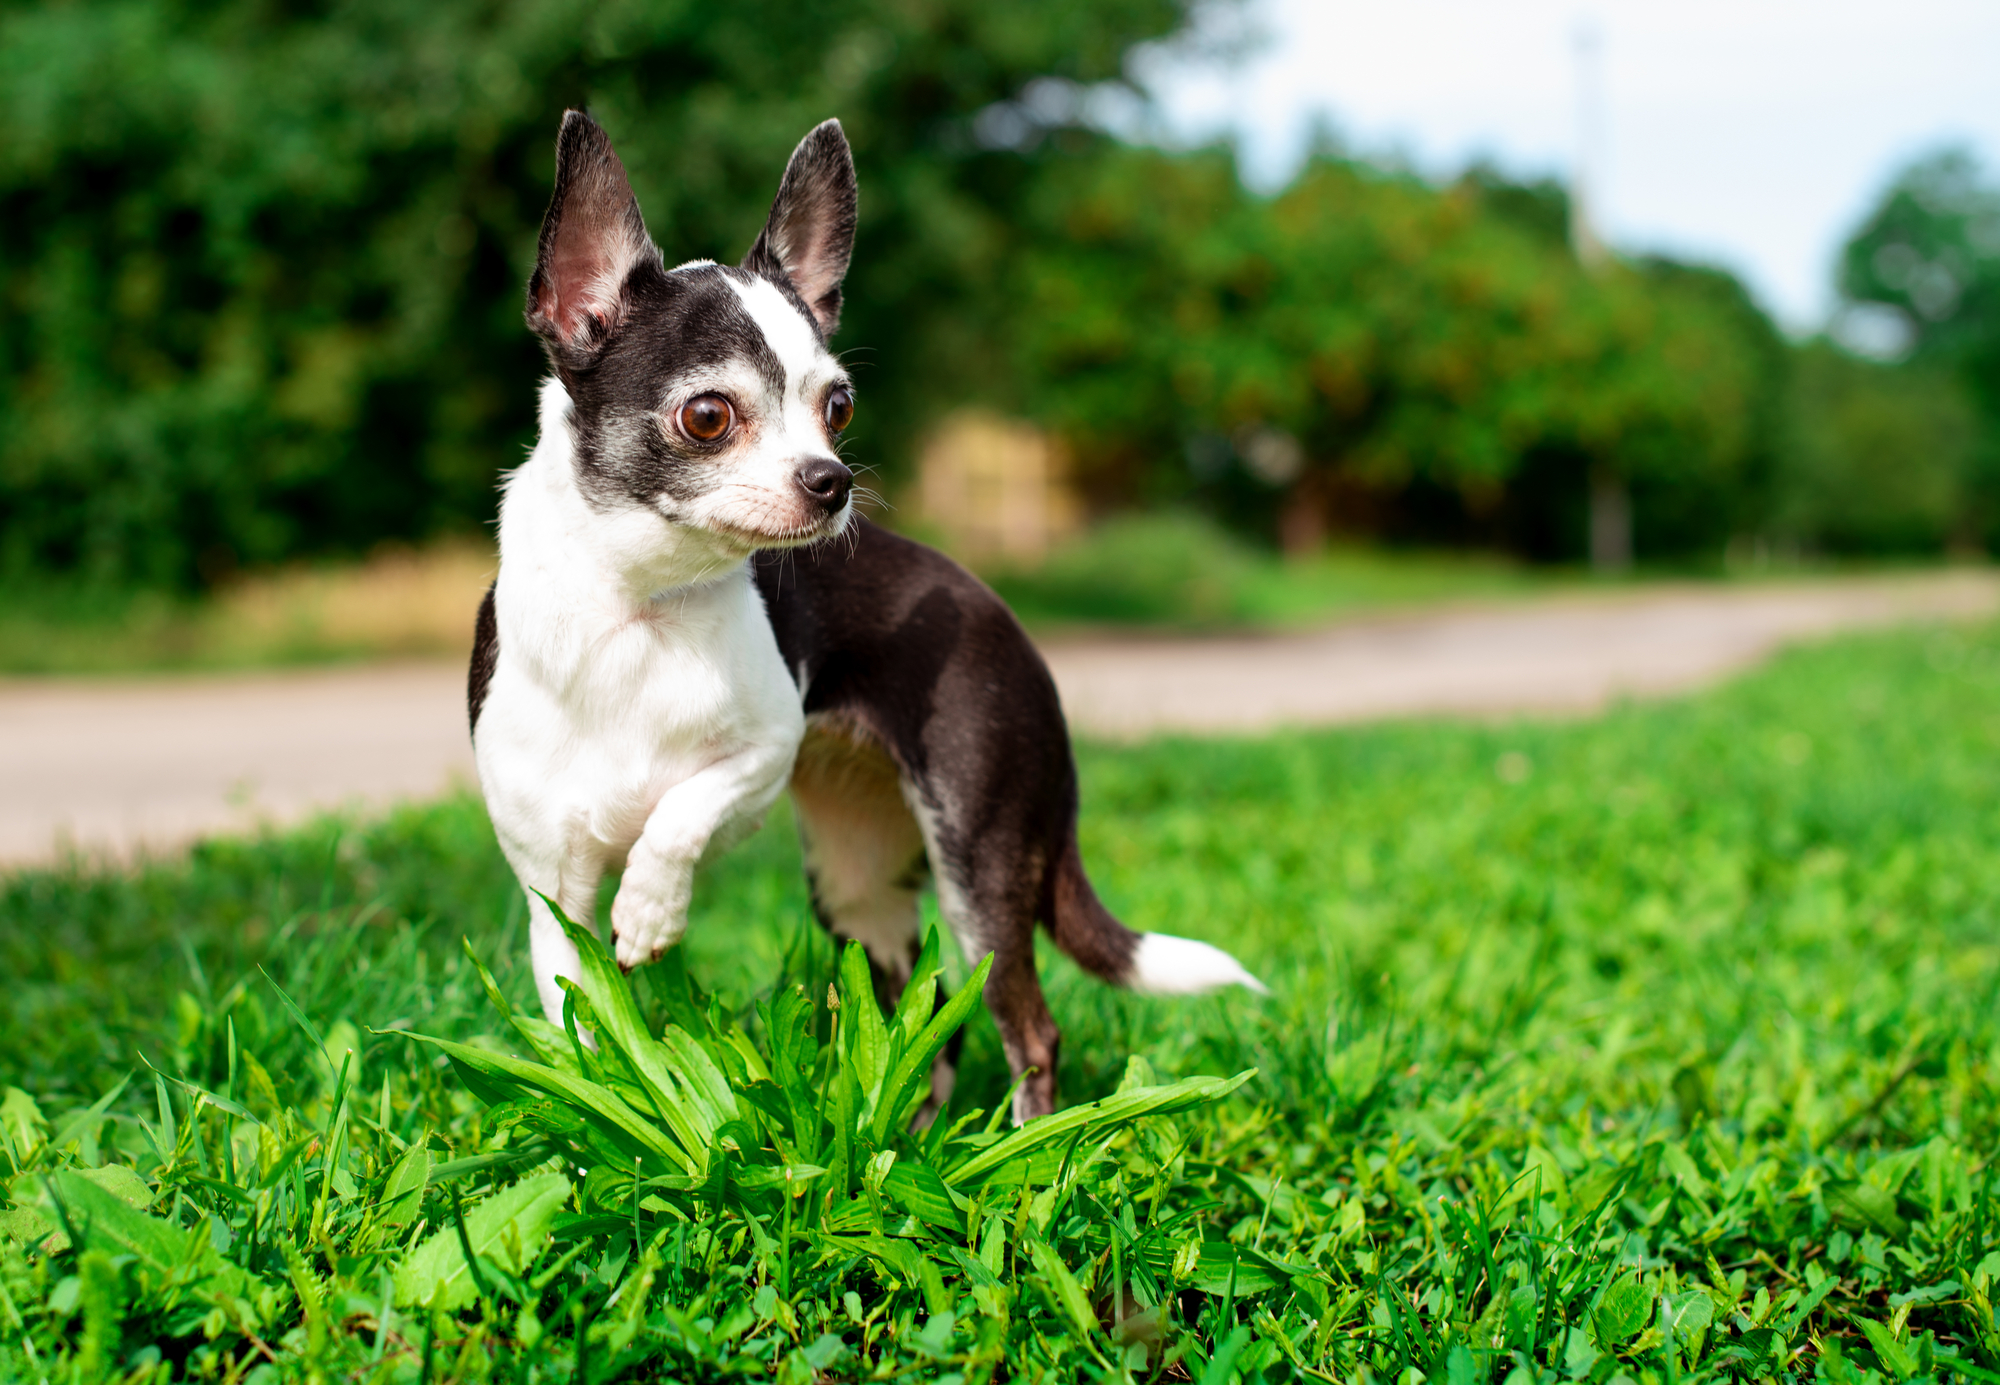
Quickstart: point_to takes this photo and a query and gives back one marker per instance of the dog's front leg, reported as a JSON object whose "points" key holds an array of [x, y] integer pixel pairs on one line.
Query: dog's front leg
{"points": [[554, 954], [714, 806]]}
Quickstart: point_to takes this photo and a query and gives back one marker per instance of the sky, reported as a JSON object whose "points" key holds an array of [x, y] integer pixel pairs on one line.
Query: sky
{"points": [[1753, 134]]}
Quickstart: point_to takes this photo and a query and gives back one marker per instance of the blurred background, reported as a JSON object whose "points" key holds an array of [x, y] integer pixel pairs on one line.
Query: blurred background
{"points": [[1161, 312]]}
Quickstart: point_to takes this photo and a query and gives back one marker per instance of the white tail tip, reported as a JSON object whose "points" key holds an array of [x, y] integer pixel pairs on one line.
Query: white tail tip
{"points": [[1181, 966]]}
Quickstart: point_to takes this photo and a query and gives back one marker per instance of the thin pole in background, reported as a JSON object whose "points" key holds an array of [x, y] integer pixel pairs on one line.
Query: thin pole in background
{"points": [[1610, 497]]}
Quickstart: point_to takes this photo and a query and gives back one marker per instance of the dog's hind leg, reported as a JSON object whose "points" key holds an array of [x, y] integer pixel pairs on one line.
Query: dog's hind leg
{"points": [[865, 860], [864, 857], [990, 894], [1027, 1031]]}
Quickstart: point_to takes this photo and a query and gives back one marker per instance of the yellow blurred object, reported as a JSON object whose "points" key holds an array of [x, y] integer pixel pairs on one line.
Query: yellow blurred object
{"points": [[401, 601], [996, 488]]}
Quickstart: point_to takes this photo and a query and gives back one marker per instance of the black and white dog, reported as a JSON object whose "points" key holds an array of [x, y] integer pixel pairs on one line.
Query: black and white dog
{"points": [[671, 639]]}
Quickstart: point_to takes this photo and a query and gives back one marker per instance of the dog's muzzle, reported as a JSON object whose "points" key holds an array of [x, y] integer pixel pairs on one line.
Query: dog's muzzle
{"points": [[825, 483]]}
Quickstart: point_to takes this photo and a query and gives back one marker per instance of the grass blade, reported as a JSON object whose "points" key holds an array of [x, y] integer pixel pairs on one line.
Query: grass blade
{"points": [[1093, 1117], [916, 1061], [693, 1114], [599, 1106]]}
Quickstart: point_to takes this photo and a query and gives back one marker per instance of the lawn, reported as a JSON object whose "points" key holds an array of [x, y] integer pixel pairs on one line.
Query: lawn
{"points": [[1159, 571], [1658, 1047], [1181, 572], [1154, 571], [398, 603], [1174, 572]]}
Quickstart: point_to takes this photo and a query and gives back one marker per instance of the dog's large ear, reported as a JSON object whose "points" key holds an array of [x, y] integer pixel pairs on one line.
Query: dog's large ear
{"points": [[810, 235], [592, 239]]}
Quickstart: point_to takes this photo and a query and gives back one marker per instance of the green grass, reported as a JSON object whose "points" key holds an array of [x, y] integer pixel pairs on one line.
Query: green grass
{"points": [[1162, 571], [62, 628], [1169, 572], [1180, 572], [1659, 1047], [397, 603], [1177, 571]]}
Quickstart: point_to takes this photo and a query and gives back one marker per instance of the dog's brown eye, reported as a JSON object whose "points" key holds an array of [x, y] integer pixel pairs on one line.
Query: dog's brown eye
{"points": [[839, 409], [705, 417]]}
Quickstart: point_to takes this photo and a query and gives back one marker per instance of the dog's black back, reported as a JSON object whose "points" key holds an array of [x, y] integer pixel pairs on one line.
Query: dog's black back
{"points": [[903, 653], [896, 636]]}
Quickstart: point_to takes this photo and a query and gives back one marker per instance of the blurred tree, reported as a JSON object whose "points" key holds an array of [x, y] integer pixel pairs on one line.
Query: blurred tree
{"points": [[1879, 459], [262, 263], [1702, 453], [1367, 352], [1930, 254], [1540, 208]]}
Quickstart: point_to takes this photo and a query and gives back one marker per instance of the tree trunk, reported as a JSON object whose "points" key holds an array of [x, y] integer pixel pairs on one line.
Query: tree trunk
{"points": [[1610, 522]]}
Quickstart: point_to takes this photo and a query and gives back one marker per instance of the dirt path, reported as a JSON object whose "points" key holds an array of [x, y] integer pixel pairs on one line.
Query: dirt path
{"points": [[150, 764]]}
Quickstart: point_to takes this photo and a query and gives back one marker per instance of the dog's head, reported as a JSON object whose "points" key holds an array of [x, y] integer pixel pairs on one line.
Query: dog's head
{"points": [[705, 393]]}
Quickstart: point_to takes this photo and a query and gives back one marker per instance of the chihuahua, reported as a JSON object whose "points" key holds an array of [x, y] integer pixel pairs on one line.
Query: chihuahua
{"points": [[689, 617]]}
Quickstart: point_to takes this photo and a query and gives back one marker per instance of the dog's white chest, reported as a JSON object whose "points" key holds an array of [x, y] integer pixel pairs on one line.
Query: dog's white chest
{"points": [[604, 702], [583, 736]]}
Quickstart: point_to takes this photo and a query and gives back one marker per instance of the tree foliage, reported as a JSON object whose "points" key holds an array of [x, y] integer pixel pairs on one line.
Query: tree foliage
{"points": [[261, 266], [1931, 252], [262, 263], [1880, 458], [1368, 350], [1930, 255]]}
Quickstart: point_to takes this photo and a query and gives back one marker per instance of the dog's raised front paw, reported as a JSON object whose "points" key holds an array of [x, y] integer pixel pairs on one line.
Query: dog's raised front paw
{"points": [[643, 926]]}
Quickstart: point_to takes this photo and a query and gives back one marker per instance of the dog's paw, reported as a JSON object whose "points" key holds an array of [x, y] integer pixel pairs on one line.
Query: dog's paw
{"points": [[643, 926]]}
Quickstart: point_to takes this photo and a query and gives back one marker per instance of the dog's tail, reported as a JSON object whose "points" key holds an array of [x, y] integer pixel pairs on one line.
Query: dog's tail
{"points": [[1150, 963]]}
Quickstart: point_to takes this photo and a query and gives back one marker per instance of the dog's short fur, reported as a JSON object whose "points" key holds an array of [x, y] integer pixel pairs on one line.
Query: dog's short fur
{"points": [[686, 621]]}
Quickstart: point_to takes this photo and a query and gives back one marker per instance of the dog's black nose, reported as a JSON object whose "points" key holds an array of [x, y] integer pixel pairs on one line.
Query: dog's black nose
{"points": [[826, 483]]}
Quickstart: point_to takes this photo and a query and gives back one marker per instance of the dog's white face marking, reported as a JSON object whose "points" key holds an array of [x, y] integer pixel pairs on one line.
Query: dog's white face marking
{"points": [[778, 397], [703, 399], [784, 327], [710, 409]]}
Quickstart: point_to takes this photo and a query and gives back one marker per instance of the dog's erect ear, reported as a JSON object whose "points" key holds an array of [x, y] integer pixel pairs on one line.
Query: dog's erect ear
{"points": [[592, 238], [810, 235]]}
